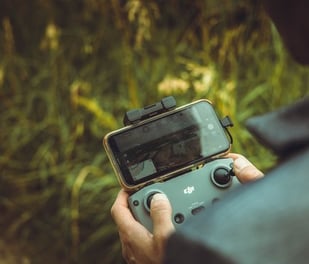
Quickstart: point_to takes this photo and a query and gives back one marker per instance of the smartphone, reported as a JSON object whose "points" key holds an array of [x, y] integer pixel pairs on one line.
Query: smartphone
{"points": [[166, 145]]}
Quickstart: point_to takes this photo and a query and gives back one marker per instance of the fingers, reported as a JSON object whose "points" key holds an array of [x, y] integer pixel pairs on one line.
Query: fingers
{"points": [[121, 213], [119, 206], [244, 170], [161, 214], [130, 231], [138, 244]]}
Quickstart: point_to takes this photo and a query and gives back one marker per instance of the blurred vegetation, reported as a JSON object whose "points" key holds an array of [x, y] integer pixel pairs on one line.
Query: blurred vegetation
{"points": [[70, 69]]}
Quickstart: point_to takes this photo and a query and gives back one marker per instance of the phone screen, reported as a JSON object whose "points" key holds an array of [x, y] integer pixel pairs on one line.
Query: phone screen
{"points": [[168, 143]]}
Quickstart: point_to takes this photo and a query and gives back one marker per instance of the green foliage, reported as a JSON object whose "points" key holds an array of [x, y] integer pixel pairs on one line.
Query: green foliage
{"points": [[70, 69]]}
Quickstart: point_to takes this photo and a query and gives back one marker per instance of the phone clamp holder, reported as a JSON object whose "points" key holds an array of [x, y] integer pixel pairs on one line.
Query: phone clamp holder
{"points": [[136, 115], [227, 122]]}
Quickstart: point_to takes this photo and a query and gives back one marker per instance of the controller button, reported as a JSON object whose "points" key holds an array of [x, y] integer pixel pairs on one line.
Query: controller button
{"points": [[179, 218], [215, 200], [221, 177], [136, 203], [197, 210], [232, 173], [148, 201]]}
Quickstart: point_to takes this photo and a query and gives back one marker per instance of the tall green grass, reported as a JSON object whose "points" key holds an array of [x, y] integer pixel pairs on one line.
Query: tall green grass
{"points": [[69, 71]]}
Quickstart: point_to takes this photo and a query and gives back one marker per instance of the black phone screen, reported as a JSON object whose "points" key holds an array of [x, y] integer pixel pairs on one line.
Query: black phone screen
{"points": [[179, 139]]}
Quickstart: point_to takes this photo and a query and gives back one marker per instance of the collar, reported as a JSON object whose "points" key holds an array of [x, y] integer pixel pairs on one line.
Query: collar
{"points": [[284, 131]]}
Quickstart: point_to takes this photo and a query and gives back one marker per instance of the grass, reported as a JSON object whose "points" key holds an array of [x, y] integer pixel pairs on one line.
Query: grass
{"points": [[69, 84]]}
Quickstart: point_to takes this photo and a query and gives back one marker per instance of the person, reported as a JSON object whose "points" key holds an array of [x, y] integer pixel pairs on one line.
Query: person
{"points": [[264, 221]]}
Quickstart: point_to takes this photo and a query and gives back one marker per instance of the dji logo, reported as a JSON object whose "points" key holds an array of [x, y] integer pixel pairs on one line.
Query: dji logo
{"points": [[189, 190]]}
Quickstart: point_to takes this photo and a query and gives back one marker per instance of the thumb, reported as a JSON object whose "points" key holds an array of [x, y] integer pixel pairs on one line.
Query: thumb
{"points": [[245, 170], [161, 214]]}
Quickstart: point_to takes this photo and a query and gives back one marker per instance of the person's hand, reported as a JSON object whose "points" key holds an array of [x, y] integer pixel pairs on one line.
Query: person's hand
{"points": [[244, 170], [138, 244]]}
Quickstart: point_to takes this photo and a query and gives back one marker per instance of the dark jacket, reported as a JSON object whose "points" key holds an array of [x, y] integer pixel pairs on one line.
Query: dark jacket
{"points": [[266, 221]]}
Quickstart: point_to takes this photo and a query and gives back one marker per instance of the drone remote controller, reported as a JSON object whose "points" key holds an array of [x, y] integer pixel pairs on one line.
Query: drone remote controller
{"points": [[188, 193], [175, 151]]}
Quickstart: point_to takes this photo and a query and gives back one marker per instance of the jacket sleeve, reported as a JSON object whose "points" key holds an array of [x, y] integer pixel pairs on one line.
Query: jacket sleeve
{"points": [[182, 250], [261, 222]]}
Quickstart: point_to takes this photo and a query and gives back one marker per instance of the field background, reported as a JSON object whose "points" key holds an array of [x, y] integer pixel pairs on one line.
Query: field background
{"points": [[70, 69]]}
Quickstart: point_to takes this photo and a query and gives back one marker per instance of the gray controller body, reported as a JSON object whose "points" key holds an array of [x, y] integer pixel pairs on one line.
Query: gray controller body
{"points": [[188, 193]]}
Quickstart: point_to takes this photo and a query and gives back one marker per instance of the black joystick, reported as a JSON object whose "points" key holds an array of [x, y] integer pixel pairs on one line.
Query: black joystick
{"points": [[222, 177], [149, 198]]}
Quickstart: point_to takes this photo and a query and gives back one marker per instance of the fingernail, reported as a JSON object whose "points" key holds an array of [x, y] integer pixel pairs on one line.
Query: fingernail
{"points": [[241, 163], [159, 196]]}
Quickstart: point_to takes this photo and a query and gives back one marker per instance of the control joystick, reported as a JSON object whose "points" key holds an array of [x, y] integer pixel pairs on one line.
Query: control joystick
{"points": [[148, 199], [222, 177]]}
